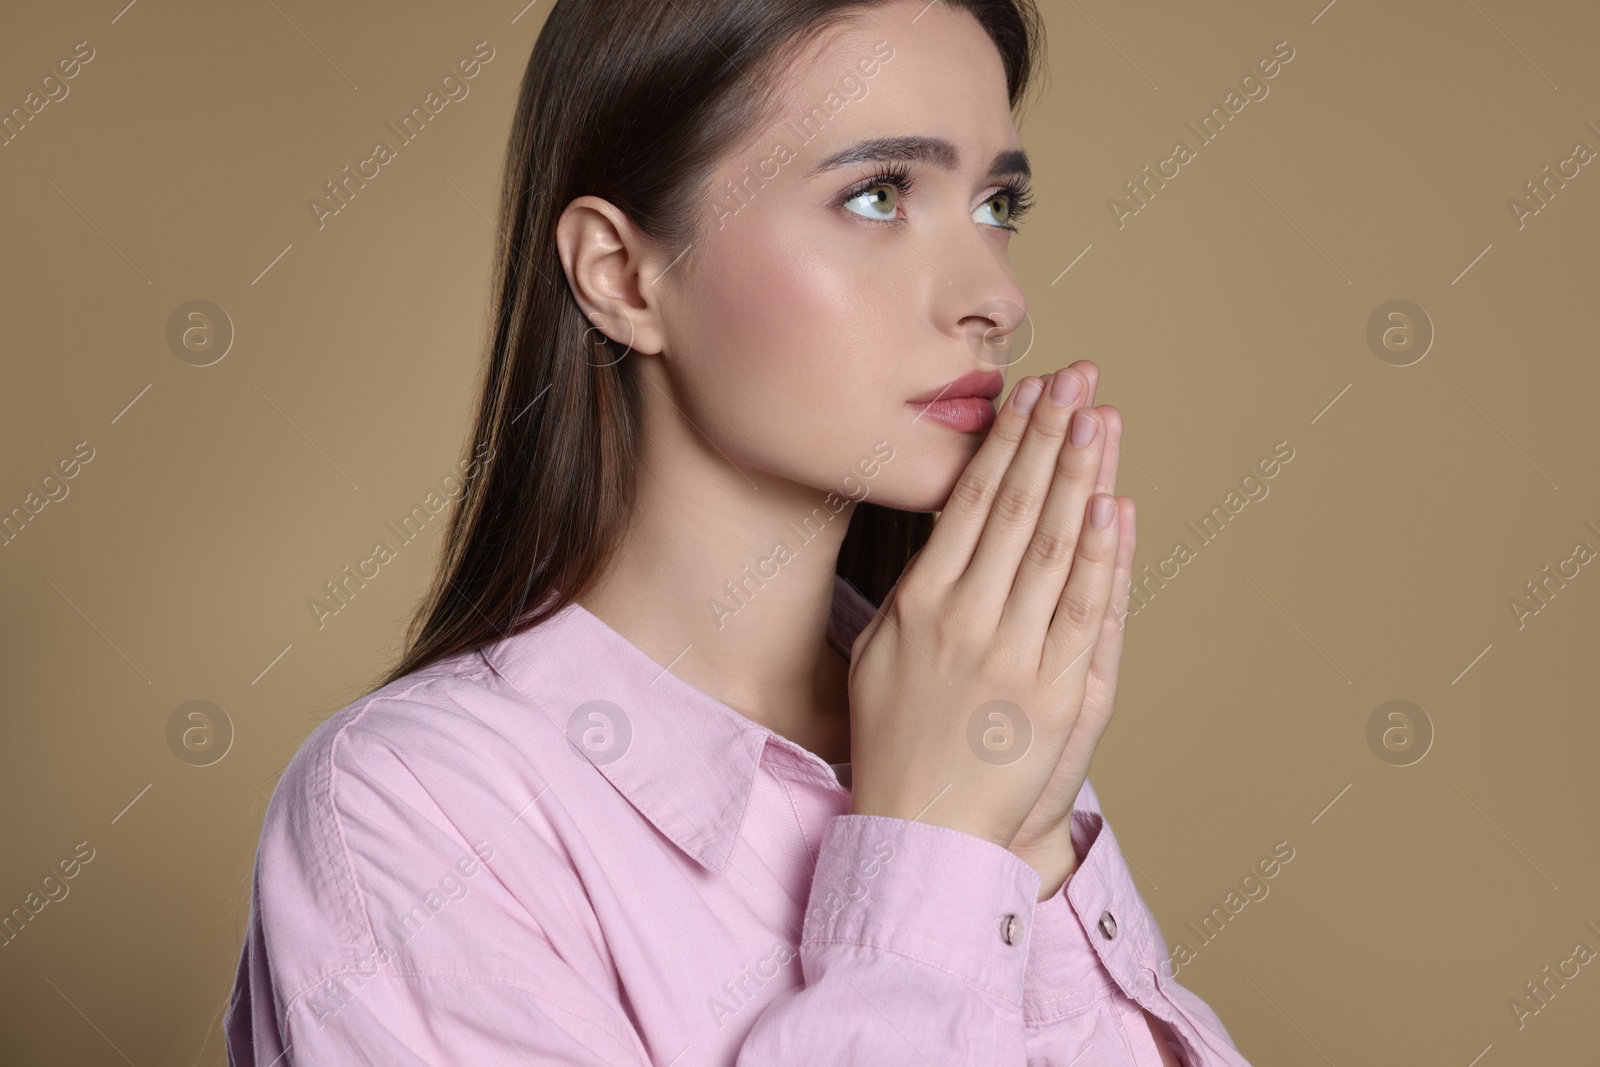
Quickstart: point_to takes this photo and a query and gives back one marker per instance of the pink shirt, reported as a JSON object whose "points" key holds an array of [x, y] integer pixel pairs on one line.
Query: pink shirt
{"points": [[554, 851]]}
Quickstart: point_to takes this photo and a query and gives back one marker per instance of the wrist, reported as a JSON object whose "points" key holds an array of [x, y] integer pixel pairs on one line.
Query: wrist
{"points": [[1053, 856]]}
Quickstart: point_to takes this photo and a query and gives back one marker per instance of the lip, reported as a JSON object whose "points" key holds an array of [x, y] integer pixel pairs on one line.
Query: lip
{"points": [[970, 414], [975, 383]]}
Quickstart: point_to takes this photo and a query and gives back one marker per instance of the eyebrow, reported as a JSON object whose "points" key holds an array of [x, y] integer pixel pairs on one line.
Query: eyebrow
{"points": [[934, 151]]}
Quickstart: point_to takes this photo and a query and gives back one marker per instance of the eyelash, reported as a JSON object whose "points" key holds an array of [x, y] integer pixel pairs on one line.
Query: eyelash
{"points": [[1017, 194]]}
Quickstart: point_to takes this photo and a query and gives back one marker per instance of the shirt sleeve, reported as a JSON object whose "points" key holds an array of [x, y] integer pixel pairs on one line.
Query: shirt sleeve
{"points": [[913, 951], [1096, 932]]}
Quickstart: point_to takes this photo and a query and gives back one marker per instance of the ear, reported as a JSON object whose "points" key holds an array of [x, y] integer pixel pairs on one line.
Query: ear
{"points": [[611, 269]]}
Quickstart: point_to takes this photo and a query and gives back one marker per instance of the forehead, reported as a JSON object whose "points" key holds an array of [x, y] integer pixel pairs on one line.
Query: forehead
{"points": [[902, 67]]}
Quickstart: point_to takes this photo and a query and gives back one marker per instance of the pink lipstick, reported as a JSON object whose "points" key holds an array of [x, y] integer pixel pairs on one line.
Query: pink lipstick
{"points": [[966, 403]]}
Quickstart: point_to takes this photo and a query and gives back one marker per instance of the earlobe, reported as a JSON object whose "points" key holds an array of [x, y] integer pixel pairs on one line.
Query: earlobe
{"points": [[594, 340]]}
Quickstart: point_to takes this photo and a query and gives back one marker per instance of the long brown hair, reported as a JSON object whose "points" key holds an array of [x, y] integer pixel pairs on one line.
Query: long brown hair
{"points": [[633, 101]]}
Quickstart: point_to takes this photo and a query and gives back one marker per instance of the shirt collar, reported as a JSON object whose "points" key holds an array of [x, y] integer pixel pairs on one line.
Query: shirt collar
{"points": [[685, 761]]}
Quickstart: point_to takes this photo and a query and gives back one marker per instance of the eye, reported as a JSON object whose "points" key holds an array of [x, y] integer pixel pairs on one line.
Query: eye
{"points": [[884, 189], [1010, 202]]}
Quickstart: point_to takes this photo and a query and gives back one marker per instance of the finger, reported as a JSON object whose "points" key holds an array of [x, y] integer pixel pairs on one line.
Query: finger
{"points": [[1043, 571], [1041, 463], [1081, 609], [1100, 690], [1110, 417], [1091, 374], [950, 547], [1106, 662], [1127, 546], [1110, 458]]}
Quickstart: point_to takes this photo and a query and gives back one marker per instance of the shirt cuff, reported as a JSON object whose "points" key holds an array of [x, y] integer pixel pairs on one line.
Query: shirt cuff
{"points": [[1089, 937], [948, 899]]}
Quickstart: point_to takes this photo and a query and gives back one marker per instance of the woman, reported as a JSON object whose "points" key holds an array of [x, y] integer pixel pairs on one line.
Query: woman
{"points": [[754, 294]]}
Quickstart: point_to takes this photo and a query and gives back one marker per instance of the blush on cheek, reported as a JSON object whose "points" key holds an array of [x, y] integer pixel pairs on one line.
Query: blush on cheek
{"points": [[764, 280], [780, 313]]}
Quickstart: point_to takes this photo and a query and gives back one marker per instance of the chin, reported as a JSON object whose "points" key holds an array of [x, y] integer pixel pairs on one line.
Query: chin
{"points": [[926, 488]]}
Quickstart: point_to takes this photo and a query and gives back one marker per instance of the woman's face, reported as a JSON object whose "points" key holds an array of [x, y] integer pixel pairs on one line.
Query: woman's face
{"points": [[822, 299]]}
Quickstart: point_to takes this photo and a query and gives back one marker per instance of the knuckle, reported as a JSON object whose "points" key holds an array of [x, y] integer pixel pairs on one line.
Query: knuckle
{"points": [[1079, 607], [1050, 548], [973, 492], [1053, 426], [1100, 549], [1015, 502], [1081, 464]]}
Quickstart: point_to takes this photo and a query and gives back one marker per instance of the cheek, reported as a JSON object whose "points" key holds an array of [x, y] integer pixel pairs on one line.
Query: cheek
{"points": [[786, 315], [791, 345]]}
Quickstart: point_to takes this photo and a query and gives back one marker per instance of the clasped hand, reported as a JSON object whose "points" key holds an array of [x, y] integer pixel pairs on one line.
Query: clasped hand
{"points": [[982, 687]]}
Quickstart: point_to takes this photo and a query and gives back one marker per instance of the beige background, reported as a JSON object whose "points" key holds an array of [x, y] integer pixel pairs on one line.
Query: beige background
{"points": [[1230, 314]]}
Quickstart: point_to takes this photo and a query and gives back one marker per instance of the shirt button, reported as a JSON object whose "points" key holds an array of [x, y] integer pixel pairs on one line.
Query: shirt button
{"points": [[1108, 925], [1009, 929]]}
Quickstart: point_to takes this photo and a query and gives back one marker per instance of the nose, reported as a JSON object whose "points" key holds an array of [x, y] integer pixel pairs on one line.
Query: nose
{"points": [[980, 300], [999, 331]]}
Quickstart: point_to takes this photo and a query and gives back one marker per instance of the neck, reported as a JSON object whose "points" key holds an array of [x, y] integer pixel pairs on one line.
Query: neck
{"points": [[731, 589]]}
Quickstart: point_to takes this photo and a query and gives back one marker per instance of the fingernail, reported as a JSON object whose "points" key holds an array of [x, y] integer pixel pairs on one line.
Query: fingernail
{"points": [[1064, 387], [1026, 394], [1082, 428], [1101, 510]]}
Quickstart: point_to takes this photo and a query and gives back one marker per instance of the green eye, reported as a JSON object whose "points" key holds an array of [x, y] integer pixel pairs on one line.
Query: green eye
{"points": [[878, 196], [1004, 215], [884, 189], [1015, 199]]}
